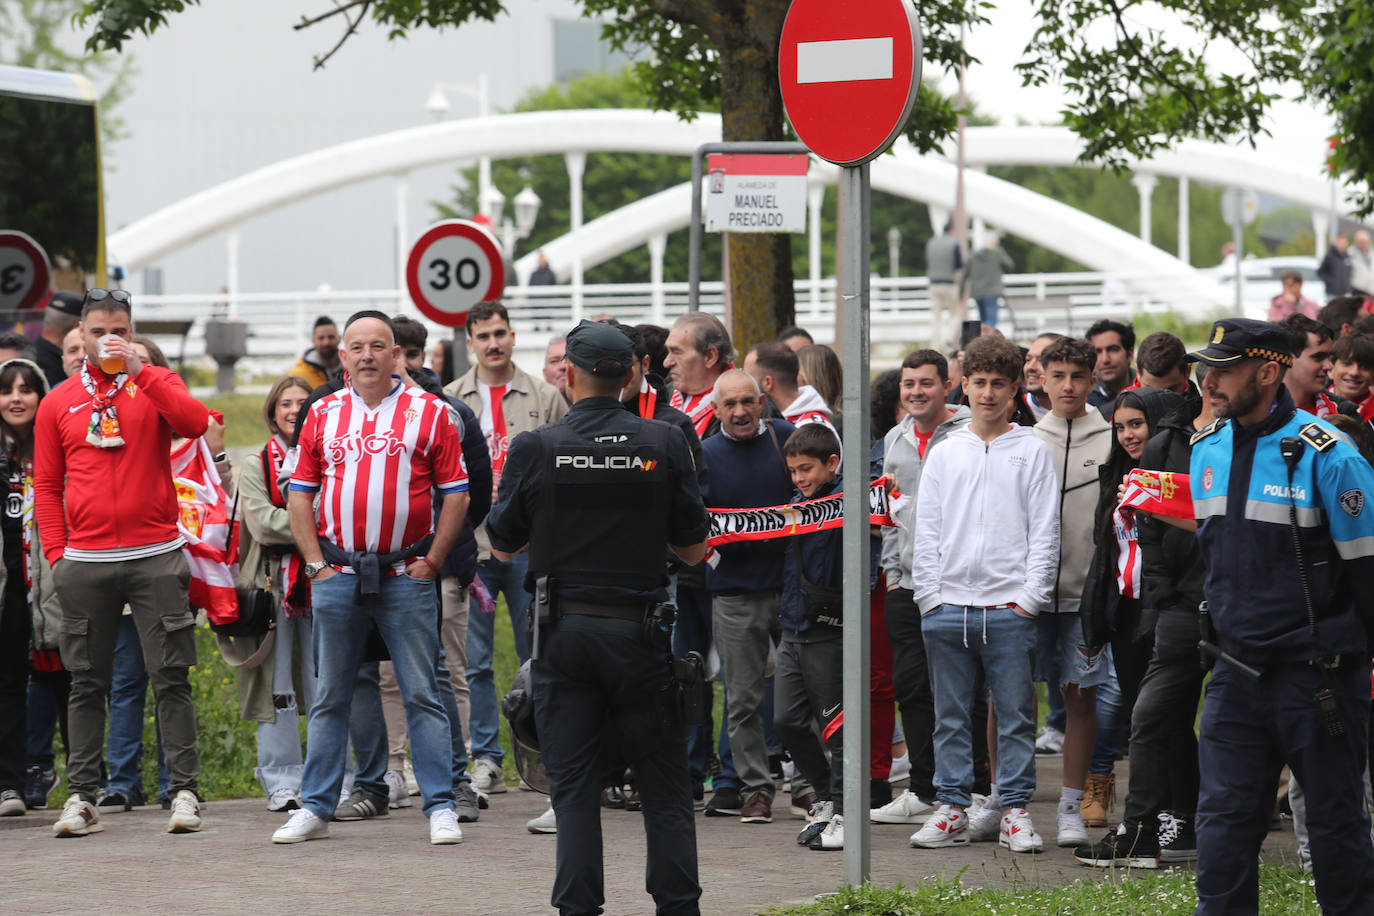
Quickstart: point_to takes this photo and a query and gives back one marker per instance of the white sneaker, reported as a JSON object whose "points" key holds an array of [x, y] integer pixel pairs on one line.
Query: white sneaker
{"points": [[907, 808], [544, 823], [1018, 833], [12, 804], [444, 829], [984, 825], [487, 776], [397, 797], [283, 800], [79, 818], [1050, 743], [412, 787], [185, 813], [946, 827], [901, 768], [1071, 832], [301, 826], [818, 816], [832, 837]]}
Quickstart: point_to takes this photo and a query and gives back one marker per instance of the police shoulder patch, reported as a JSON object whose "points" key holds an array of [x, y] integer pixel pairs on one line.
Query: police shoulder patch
{"points": [[1315, 436], [1206, 431], [1352, 501]]}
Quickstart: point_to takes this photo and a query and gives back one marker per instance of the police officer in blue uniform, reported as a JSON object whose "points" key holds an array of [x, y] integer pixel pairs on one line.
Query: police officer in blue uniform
{"points": [[598, 497], [1283, 521]]}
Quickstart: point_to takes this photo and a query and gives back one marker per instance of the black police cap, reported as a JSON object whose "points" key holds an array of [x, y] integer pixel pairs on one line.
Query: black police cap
{"points": [[601, 349], [1235, 339]]}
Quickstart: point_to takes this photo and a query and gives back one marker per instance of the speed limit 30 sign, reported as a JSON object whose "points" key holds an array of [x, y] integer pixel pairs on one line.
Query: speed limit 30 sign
{"points": [[452, 267]]}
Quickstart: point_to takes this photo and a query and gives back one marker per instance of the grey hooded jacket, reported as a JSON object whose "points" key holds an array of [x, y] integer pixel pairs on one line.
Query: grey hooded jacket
{"points": [[902, 459]]}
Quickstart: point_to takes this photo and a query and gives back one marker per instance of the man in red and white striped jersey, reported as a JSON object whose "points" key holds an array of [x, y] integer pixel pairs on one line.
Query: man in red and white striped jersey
{"points": [[361, 511]]}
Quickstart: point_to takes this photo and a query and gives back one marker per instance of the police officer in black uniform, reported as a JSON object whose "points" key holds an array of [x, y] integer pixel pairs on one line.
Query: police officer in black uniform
{"points": [[598, 496], [1288, 538]]}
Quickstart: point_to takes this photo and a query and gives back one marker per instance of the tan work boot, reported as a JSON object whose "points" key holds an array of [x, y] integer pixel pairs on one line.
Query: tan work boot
{"points": [[1099, 797]]}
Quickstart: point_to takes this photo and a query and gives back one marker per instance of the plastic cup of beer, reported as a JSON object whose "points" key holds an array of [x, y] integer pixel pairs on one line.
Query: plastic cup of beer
{"points": [[110, 362]]}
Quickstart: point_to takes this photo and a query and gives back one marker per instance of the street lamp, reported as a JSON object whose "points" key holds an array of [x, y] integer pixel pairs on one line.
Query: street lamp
{"points": [[438, 107], [526, 212]]}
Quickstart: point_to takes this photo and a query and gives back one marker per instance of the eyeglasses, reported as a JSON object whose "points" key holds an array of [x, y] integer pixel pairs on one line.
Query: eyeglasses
{"points": [[96, 294]]}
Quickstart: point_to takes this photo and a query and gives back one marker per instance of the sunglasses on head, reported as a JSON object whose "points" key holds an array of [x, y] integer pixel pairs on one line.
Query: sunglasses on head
{"points": [[96, 294]]}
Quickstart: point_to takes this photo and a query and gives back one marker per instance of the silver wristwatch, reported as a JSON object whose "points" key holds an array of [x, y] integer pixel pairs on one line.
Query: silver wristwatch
{"points": [[314, 569]]}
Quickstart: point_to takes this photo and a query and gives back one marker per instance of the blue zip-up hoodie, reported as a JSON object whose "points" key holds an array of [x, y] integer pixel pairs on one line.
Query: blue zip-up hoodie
{"points": [[1240, 491], [822, 555]]}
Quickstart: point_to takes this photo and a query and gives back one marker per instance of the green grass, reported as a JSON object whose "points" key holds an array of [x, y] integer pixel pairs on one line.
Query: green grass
{"points": [[1283, 890], [242, 418]]}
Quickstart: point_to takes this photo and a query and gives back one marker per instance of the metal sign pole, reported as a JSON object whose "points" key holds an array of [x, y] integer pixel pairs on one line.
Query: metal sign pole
{"points": [[854, 219]]}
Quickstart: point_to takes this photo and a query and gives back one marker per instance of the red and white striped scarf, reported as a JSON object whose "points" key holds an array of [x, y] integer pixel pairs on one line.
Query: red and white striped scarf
{"points": [[203, 519], [699, 408], [294, 585]]}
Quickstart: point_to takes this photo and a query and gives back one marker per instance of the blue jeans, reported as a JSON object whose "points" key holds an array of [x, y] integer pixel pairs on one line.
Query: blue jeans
{"points": [[47, 711], [279, 742], [405, 613], [987, 313], [368, 726], [956, 638], [128, 700], [1112, 727], [484, 718]]}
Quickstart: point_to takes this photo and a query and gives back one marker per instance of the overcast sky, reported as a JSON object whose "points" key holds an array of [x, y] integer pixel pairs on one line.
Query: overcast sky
{"points": [[227, 87]]}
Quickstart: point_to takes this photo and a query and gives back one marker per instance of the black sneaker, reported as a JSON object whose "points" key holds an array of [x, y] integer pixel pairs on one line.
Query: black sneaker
{"points": [[613, 797], [466, 803], [632, 800], [698, 797], [361, 806], [724, 802], [1177, 839], [115, 800], [1127, 847], [38, 785]]}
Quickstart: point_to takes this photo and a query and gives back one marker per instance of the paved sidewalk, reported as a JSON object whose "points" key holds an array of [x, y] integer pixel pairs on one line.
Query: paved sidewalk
{"points": [[388, 866]]}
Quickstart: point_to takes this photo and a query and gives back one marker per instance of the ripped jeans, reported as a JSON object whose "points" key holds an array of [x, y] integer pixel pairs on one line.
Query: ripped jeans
{"points": [[280, 760]]}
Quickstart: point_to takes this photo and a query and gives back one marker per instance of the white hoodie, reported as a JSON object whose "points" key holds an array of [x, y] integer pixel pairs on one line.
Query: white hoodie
{"points": [[809, 407], [987, 523]]}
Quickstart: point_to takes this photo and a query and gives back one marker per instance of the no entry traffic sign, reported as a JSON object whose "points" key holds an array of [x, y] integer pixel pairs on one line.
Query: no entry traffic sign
{"points": [[24, 275], [452, 267], [849, 74]]}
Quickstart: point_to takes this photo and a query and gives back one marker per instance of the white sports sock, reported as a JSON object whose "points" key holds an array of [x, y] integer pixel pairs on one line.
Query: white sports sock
{"points": [[1069, 796], [993, 803]]}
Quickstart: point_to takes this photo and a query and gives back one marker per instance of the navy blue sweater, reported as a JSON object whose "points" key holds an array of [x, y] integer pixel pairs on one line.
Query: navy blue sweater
{"points": [[822, 554], [745, 475]]}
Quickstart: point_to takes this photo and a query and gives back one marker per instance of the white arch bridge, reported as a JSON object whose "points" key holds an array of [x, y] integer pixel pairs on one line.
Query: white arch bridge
{"points": [[1144, 272]]}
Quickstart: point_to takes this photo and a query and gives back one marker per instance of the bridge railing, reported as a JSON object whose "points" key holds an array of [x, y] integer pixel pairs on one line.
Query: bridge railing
{"points": [[280, 323]]}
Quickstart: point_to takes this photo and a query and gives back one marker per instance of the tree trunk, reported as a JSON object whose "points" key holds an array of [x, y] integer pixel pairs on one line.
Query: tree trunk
{"points": [[760, 264]]}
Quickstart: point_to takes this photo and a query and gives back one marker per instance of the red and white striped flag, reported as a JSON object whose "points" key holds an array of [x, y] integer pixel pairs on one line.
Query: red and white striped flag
{"points": [[1158, 492], [203, 519]]}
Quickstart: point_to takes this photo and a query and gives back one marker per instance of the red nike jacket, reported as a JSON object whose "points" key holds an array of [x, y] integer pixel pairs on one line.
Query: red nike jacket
{"points": [[113, 497]]}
